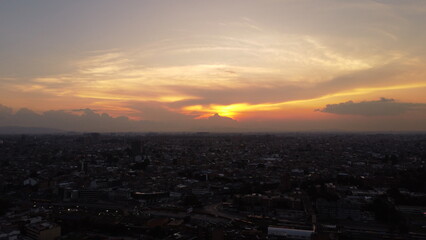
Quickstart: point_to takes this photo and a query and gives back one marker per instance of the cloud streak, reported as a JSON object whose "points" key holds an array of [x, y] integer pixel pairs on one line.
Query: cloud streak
{"points": [[88, 120], [381, 107]]}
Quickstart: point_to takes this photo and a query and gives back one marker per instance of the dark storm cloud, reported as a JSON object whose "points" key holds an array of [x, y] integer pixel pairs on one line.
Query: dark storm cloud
{"points": [[381, 107]]}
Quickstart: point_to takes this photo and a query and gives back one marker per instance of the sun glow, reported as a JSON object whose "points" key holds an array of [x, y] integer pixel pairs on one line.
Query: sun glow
{"points": [[236, 111]]}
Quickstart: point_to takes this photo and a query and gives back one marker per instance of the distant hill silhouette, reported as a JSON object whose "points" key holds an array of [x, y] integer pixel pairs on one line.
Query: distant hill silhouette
{"points": [[28, 130]]}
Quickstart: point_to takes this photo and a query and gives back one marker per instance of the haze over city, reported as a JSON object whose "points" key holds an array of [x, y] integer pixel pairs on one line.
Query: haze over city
{"points": [[243, 65]]}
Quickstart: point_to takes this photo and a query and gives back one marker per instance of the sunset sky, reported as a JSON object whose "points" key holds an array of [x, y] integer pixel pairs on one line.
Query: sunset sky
{"points": [[169, 65]]}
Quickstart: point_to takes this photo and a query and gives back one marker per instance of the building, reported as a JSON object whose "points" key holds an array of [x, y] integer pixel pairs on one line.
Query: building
{"points": [[43, 231]]}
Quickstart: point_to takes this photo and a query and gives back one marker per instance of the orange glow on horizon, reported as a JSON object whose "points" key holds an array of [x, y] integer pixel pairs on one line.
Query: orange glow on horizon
{"points": [[301, 108]]}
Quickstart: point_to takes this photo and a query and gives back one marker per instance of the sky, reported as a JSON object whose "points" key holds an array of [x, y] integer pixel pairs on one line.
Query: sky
{"points": [[198, 65]]}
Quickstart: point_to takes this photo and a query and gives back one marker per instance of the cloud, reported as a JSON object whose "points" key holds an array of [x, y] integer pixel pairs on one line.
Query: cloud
{"points": [[156, 118], [5, 111], [220, 57], [381, 107], [386, 77], [157, 111], [89, 120], [275, 68]]}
